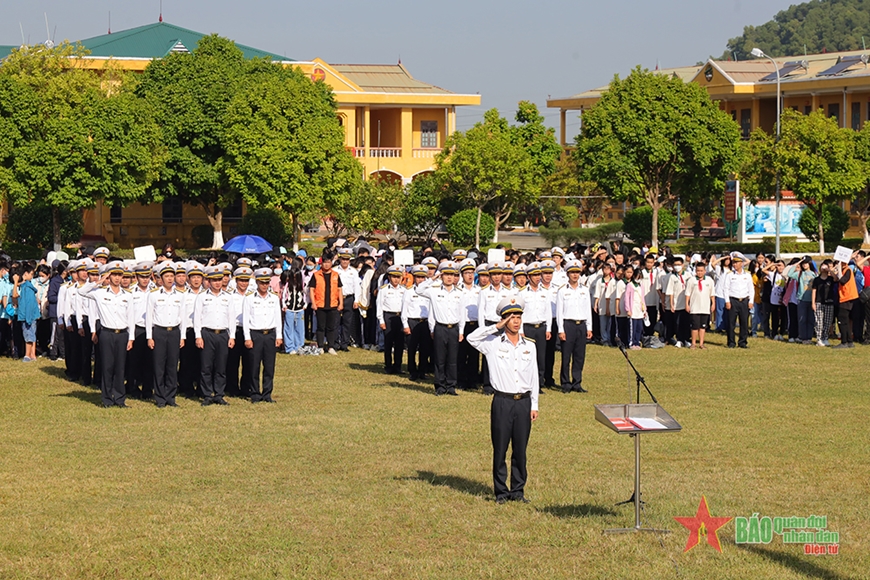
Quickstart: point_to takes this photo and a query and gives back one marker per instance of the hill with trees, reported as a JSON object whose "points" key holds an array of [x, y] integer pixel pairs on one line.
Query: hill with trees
{"points": [[808, 28]]}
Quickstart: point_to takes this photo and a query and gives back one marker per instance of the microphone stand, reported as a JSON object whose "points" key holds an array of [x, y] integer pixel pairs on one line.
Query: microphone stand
{"points": [[640, 381]]}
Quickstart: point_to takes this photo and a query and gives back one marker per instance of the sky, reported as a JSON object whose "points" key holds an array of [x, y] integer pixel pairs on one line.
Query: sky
{"points": [[506, 51]]}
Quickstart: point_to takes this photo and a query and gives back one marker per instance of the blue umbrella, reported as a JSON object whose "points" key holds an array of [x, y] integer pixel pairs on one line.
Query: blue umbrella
{"points": [[248, 245]]}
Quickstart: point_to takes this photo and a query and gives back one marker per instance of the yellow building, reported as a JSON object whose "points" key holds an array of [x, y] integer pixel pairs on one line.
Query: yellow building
{"points": [[838, 83], [394, 125]]}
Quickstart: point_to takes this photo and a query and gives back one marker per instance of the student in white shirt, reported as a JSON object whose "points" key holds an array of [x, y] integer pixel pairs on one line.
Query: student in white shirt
{"points": [[700, 302], [602, 304], [634, 304]]}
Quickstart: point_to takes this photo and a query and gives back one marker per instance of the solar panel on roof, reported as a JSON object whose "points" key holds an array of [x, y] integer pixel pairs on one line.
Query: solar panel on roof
{"points": [[787, 69], [844, 64]]}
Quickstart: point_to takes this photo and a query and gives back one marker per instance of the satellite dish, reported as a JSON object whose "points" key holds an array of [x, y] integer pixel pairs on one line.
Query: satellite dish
{"points": [[48, 43]]}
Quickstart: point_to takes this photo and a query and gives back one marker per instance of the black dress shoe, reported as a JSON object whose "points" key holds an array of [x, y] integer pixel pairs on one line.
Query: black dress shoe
{"points": [[268, 400], [579, 389], [220, 401], [566, 389], [172, 404], [521, 499], [207, 402], [501, 500], [452, 392], [161, 406]]}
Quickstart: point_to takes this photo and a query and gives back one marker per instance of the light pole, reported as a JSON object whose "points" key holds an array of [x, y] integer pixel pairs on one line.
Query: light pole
{"points": [[758, 53]]}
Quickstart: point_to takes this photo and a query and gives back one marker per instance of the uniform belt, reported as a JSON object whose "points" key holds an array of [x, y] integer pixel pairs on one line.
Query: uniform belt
{"points": [[445, 325], [741, 299], [416, 319], [263, 330], [514, 396], [394, 314], [535, 324], [215, 330], [114, 330], [576, 321], [167, 328]]}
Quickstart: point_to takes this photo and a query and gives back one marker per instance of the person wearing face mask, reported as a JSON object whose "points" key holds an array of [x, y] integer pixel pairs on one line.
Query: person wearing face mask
{"points": [[824, 298], [676, 294]]}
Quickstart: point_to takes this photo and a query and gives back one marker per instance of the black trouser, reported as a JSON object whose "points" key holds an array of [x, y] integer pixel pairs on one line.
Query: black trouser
{"points": [[140, 367], [670, 327], [394, 342], [445, 347], [86, 352], [73, 347], [778, 320], [596, 331], [844, 321], [792, 320], [167, 344], [370, 326], [866, 308], [653, 313], [112, 345], [468, 366], [213, 370], [58, 341], [236, 356], [310, 323], [682, 321], [18, 338], [346, 329], [510, 424], [327, 325], [538, 333], [573, 354], [6, 336], [857, 321], [418, 342], [44, 327], [550, 356], [623, 331], [356, 330], [189, 367], [262, 354], [739, 310]]}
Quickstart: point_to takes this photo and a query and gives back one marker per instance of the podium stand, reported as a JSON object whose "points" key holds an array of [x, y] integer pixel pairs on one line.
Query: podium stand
{"points": [[625, 419]]}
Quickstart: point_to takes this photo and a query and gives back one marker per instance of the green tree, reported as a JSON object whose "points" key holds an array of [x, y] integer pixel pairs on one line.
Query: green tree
{"points": [[638, 224], [816, 160], [485, 167], [374, 205], [651, 137], [861, 202], [285, 147], [420, 214], [564, 186], [809, 27], [835, 222], [74, 144], [190, 94], [468, 226]]}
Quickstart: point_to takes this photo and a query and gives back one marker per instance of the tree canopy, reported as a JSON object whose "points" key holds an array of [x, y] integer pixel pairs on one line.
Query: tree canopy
{"points": [[807, 28], [652, 138]]}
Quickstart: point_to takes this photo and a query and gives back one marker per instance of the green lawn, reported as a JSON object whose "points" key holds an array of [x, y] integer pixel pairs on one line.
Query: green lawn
{"points": [[354, 474]]}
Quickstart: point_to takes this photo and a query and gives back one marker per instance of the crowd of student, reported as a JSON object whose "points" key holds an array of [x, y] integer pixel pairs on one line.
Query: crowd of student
{"points": [[204, 329]]}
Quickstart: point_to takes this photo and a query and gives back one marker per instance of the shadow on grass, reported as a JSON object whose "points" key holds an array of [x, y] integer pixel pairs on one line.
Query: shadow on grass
{"points": [[375, 368], [57, 372], [454, 482], [794, 561], [580, 510], [93, 397]]}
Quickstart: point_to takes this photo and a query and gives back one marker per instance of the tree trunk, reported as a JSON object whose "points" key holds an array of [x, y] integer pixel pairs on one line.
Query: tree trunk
{"points": [[655, 227], [821, 232], [216, 219], [477, 228], [55, 228], [495, 234], [296, 235]]}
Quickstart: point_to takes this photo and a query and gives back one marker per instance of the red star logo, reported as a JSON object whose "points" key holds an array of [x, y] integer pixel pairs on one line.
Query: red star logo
{"points": [[703, 524]]}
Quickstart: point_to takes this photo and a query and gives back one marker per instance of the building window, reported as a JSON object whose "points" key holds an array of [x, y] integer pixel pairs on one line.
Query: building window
{"points": [[856, 116], [834, 111], [233, 212], [115, 215], [172, 210], [745, 122], [734, 116], [428, 134], [808, 109]]}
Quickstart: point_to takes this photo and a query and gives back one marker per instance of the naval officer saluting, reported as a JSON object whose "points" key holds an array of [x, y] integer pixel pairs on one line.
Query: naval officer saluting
{"points": [[513, 370], [114, 307]]}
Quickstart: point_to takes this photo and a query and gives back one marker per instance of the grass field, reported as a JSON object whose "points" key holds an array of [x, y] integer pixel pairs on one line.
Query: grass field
{"points": [[354, 474]]}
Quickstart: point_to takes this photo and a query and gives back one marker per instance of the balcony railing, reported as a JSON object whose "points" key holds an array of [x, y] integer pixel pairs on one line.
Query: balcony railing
{"points": [[357, 151], [426, 152], [391, 152]]}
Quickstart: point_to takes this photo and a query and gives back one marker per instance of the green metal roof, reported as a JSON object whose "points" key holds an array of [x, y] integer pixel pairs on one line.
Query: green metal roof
{"points": [[155, 41], [6, 51]]}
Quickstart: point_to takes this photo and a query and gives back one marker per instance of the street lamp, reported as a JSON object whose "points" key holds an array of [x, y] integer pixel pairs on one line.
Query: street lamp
{"points": [[758, 53]]}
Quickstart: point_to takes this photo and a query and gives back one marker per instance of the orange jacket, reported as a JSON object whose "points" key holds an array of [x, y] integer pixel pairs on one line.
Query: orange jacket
{"points": [[320, 289], [849, 290]]}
